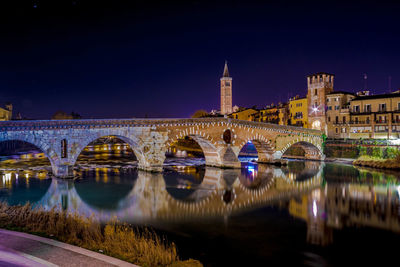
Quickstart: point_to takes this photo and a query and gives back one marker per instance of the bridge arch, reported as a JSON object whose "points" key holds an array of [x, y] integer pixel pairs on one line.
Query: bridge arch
{"points": [[212, 154], [263, 146], [311, 150], [77, 148], [45, 148]]}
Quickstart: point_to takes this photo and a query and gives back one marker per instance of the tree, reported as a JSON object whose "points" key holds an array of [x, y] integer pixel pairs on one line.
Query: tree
{"points": [[201, 113]]}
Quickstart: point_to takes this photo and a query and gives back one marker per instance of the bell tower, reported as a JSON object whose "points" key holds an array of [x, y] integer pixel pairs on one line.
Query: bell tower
{"points": [[226, 92], [319, 85]]}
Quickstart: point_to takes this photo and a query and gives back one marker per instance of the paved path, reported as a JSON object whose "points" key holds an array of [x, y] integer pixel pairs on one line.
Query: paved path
{"points": [[20, 249]]}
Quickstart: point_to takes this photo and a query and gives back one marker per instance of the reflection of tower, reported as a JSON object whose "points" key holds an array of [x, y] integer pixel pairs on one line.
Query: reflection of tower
{"points": [[226, 92], [318, 233], [319, 85]]}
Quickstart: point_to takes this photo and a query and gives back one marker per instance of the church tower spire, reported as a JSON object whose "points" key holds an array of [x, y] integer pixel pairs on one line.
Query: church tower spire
{"points": [[226, 91], [226, 72]]}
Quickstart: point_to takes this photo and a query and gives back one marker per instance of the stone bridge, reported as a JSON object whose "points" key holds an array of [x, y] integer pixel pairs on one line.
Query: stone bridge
{"points": [[221, 139]]}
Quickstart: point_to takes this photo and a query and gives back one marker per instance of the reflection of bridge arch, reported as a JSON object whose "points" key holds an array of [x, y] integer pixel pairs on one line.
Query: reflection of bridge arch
{"points": [[63, 194], [214, 205], [149, 201], [302, 170]]}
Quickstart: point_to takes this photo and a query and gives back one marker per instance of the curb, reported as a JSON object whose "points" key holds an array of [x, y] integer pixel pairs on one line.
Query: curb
{"points": [[69, 247]]}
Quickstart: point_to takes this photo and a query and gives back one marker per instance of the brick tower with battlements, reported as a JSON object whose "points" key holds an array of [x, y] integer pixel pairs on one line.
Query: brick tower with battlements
{"points": [[319, 85]]}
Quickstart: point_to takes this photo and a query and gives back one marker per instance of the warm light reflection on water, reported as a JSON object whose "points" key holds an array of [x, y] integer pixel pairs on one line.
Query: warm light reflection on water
{"points": [[317, 203]]}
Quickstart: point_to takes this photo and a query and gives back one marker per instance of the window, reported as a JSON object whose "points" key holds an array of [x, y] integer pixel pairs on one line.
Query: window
{"points": [[336, 130], [382, 107], [398, 106], [64, 148], [316, 92], [367, 120], [336, 119], [327, 100], [344, 119], [356, 120], [367, 108], [330, 108], [343, 130], [336, 107], [356, 109], [329, 118]]}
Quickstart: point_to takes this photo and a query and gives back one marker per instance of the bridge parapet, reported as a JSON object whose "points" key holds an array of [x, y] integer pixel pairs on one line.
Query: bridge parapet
{"points": [[84, 123]]}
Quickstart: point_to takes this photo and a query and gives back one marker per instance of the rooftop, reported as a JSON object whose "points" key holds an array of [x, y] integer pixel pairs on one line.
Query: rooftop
{"points": [[320, 73], [377, 96], [341, 93]]}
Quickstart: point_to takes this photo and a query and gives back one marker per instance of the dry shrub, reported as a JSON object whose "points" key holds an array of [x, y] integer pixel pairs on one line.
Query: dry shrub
{"points": [[141, 247]]}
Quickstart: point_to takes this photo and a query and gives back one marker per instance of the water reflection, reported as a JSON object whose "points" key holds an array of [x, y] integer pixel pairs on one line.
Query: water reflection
{"points": [[326, 197], [177, 194]]}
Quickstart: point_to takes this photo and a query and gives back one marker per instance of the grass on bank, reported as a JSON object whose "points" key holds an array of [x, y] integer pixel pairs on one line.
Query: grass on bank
{"points": [[376, 162], [143, 247]]}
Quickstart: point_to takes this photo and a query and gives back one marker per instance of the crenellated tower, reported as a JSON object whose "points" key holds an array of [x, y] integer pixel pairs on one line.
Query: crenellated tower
{"points": [[226, 92], [319, 85]]}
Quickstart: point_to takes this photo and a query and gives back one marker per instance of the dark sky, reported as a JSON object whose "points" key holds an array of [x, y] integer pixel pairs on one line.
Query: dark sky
{"points": [[164, 59]]}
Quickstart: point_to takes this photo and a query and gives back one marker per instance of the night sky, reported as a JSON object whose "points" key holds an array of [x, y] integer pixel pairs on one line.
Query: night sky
{"points": [[126, 59]]}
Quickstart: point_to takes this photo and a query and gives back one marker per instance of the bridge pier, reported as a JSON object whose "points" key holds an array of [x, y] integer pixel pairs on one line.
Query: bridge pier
{"points": [[150, 167], [229, 158], [63, 171]]}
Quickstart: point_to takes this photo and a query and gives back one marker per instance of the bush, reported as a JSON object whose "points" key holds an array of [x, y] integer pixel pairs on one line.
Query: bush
{"points": [[377, 152], [141, 247]]}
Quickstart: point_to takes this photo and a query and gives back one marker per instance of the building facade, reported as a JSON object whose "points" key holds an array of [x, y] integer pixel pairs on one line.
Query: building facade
{"points": [[337, 113], [319, 85], [269, 114], [375, 116], [246, 114], [283, 114], [6, 113], [226, 92], [298, 112]]}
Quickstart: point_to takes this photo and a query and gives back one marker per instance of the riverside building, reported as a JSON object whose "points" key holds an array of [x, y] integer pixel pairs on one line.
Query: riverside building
{"points": [[6, 112], [298, 112], [375, 116], [338, 115]]}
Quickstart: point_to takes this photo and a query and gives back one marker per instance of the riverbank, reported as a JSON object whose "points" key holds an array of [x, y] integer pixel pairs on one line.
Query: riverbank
{"points": [[141, 247], [373, 162]]}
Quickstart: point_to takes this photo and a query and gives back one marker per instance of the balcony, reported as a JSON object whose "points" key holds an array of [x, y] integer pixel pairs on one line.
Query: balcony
{"points": [[381, 122], [368, 112], [359, 122]]}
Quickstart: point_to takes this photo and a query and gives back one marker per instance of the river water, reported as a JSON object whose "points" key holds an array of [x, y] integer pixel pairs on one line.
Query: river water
{"points": [[308, 213]]}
